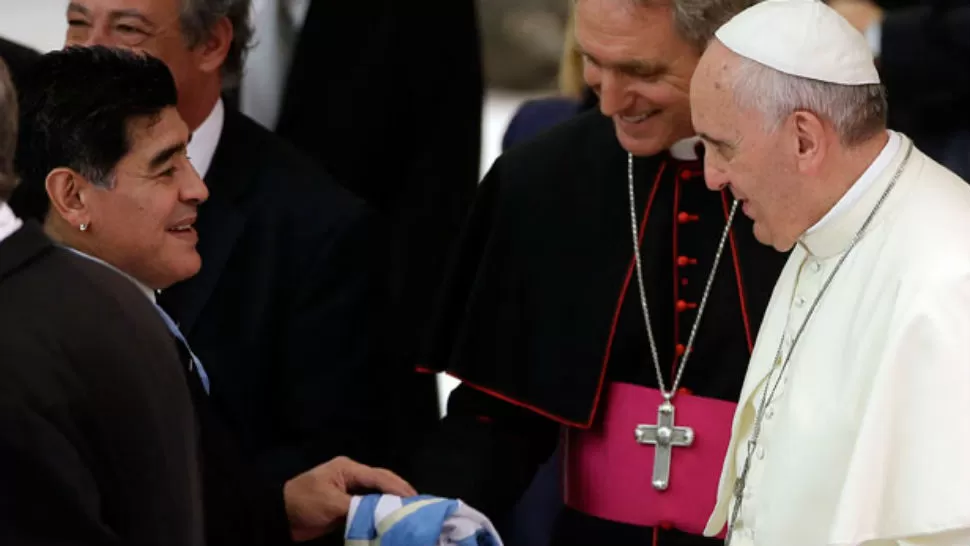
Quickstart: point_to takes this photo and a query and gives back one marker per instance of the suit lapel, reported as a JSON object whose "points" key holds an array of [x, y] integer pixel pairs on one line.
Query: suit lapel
{"points": [[221, 222]]}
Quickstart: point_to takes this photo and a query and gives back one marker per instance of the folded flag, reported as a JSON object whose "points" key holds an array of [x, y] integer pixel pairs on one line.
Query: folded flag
{"points": [[387, 520]]}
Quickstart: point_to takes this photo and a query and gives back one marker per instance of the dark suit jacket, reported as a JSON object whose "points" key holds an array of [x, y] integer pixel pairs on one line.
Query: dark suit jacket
{"points": [[395, 115], [97, 434], [17, 57], [282, 312]]}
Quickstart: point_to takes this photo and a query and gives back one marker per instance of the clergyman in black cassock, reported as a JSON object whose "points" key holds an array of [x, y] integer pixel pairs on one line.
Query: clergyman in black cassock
{"points": [[542, 319]]}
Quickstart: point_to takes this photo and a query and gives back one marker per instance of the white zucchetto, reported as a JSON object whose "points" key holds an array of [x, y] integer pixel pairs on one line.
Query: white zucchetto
{"points": [[802, 38]]}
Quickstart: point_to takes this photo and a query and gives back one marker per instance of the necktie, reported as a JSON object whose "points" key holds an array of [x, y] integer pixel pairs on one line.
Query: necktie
{"points": [[195, 364]]}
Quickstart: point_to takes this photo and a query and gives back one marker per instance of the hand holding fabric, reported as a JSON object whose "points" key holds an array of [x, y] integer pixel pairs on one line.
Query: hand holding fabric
{"points": [[319, 499]]}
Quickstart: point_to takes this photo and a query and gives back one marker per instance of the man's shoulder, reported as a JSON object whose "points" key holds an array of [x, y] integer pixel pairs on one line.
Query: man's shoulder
{"points": [[285, 177], [585, 132], [62, 302], [562, 163], [74, 285]]}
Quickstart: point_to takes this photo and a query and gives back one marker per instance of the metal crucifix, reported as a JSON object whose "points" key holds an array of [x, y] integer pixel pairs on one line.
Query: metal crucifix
{"points": [[664, 436]]}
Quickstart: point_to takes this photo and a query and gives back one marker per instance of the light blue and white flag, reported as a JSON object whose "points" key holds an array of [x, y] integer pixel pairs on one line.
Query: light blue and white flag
{"points": [[387, 520]]}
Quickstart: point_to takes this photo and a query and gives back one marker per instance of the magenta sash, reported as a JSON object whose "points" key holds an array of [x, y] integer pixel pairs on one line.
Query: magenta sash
{"points": [[608, 474]]}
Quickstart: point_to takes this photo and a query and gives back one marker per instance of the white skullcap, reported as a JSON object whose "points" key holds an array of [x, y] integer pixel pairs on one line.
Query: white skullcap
{"points": [[803, 38]]}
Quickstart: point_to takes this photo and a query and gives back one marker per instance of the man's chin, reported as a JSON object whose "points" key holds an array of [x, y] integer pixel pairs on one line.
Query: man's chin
{"points": [[764, 237], [641, 146]]}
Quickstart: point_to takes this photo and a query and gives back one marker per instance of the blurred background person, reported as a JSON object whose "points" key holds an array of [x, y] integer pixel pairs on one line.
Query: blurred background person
{"points": [[921, 48], [396, 117]]}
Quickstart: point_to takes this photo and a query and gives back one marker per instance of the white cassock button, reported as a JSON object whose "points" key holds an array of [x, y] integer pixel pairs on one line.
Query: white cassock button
{"points": [[761, 452], [770, 412], [799, 301]]}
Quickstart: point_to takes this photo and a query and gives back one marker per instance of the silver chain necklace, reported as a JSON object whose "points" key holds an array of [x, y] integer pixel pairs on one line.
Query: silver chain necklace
{"points": [[769, 394], [665, 434]]}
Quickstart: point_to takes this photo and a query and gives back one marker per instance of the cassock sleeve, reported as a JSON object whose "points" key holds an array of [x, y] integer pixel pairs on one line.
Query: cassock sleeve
{"points": [[485, 452], [48, 495], [908, 480]]}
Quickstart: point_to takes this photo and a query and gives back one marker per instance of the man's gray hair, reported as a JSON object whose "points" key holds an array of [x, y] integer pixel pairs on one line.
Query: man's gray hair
{"points": [[200, 16], [8, 133], [697, 20], [856, 111]]}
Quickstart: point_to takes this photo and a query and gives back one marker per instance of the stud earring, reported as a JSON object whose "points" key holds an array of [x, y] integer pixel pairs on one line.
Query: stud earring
{"points": [[84, 227]]}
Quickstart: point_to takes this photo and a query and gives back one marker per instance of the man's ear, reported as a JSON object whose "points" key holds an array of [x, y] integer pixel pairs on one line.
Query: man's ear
{"points": [[67, 191], [811, 141], [213, 51]]}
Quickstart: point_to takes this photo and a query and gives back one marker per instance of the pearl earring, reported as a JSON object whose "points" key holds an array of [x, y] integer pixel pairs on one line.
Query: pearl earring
{"points": [[84, 227]]}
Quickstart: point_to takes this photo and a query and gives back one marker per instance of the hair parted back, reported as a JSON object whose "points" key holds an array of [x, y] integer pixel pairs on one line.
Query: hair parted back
{"points": [[76, 108], [857, 112], [197, 19], [697, 20], [8, 133]]}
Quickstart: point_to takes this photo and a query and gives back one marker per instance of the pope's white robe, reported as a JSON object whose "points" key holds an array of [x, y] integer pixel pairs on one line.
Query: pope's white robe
{"points": [[867, 441]]}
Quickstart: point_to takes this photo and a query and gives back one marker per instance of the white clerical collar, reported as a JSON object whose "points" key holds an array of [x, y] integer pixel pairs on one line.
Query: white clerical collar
{"points": [[9, 223], [860, 186], [205, 139], [685, 149], [141, 286]]}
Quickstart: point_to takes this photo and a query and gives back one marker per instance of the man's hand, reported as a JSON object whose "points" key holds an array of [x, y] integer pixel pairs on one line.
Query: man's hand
{"points": [[859, 13], [319, 499]]}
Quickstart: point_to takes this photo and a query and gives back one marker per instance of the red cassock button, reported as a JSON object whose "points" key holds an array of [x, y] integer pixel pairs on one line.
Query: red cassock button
{"points": [[685, 217], [681, 349], [684, 261], [666, 525], [685, 175], [683, 306]]}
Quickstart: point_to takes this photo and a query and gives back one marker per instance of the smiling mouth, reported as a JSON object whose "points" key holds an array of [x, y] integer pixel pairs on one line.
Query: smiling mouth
{"points": [[187, 228], [640, 118]]}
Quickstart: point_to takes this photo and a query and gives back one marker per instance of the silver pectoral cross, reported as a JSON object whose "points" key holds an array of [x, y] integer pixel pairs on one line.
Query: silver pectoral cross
{"points": [[665, 436]]}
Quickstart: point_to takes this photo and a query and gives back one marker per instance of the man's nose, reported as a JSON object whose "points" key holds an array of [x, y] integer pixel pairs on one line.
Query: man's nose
{"points": [[613, 96], [194, 189], [714, 178]]}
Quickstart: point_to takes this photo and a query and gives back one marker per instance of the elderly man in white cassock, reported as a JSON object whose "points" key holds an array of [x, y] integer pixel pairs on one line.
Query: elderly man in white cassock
{"points": [[848, 428]]}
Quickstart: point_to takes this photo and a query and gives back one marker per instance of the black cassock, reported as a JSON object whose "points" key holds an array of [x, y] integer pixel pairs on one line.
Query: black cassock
{"points": [[541, 319]]}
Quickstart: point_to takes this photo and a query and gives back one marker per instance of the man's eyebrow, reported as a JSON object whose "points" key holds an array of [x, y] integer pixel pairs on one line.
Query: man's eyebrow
{"points": [[168, 153], [122, 13], [74, 7], [715, 141]]}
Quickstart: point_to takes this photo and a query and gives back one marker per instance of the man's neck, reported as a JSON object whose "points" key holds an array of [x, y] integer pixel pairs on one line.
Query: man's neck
{"points": [[195, 111]]}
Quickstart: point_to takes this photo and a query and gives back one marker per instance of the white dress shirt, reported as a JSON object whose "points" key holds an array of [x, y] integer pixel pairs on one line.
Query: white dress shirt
{"points": [[9, 223], [205, 139]]}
